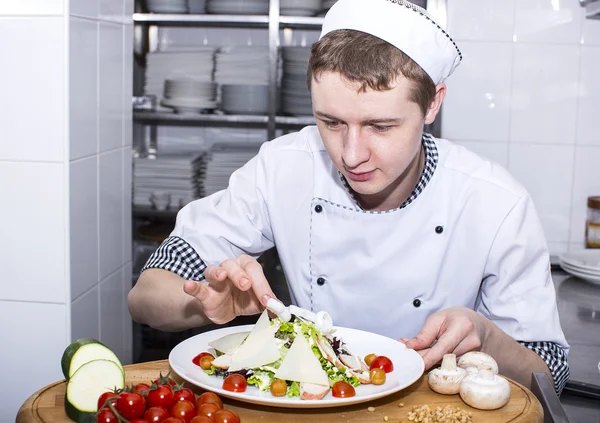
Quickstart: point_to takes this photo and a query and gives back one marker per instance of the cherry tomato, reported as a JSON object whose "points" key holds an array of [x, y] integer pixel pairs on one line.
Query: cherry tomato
{"points": [[226, 416], [235, 383], [131, 405], [196, 360], [278, 388], [173, 420], [142, 388], [383, 363], [209, 398], [138, 421], [161, 397], [377, 376], [164, 380], [369, 359], [208, 409], [156, 414], [342, 389], [185, 410], [185, 395], [202, 419], [105, 396], [107, 416]]}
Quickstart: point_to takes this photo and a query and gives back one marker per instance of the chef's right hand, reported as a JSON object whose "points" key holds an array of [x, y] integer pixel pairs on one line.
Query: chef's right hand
{"points": [[237, 287]]}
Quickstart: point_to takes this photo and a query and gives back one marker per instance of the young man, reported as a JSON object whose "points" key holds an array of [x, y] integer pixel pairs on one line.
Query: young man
{"points": [[387, 228]]}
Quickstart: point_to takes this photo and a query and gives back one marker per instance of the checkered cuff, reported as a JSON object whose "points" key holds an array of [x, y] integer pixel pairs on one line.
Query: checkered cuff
{"points": [[177, 256], [555, 358]]}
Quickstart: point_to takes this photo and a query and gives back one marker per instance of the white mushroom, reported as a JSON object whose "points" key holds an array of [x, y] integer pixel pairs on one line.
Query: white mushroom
{"points": [[446, 379], [475, 360], [485, 390]]}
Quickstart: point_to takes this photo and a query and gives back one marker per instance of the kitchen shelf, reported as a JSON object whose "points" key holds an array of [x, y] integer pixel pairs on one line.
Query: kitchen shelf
{"points": [[251, 21], [149, 117], [239, 21]]}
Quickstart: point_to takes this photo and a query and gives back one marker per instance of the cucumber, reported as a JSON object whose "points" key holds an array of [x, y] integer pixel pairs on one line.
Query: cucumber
{"points": [[86, 385], [83, 351]]}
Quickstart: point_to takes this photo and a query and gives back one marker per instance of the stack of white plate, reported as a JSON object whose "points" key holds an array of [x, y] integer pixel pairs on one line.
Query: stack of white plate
{"points": [[584, 264], [162, 65], [186, 95], [295, 97], [238, 7], [166, 174], [301, 7], [167, 6], [242, 65], [221, 162], [245, 99]]}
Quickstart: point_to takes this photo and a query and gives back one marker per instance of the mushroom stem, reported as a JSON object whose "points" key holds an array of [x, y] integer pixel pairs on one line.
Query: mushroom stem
{"points": [[449, 362], [486, 373]]}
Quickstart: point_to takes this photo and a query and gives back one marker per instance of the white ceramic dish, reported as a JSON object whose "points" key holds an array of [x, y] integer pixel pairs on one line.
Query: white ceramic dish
{"points": [[408, 368], [584, 260]]}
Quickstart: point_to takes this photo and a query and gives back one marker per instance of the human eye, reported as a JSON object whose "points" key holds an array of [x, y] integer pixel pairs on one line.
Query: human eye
{"points": [[381, 128], [331, 124]]}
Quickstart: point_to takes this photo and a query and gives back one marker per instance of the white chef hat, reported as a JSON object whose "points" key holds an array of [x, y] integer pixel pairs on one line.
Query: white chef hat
{"points": [[402, 24]]}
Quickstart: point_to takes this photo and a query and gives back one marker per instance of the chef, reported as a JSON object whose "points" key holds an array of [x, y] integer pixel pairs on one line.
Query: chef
{"points": [[385, 227]]}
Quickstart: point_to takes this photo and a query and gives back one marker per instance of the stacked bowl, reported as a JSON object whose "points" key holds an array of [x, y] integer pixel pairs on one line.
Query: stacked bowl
{"points": [[245, 99], [295, 97], [238, 7], [167, 6]]}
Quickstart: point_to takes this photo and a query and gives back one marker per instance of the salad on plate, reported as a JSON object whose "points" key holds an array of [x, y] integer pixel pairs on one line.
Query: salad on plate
{"points": [[295, 354]]}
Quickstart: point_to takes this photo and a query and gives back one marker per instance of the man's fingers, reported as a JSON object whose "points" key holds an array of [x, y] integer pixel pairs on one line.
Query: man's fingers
{"points": [[236, 274], [428, 333], [259, 284], [196, 289], [215, 273]]}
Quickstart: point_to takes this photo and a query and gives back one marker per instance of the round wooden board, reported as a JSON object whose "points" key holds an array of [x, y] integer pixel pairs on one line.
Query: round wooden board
{"points": [[47, 405]]}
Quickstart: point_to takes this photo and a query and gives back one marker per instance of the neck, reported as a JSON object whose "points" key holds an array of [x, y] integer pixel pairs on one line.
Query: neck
{"points": [[398, 192]]}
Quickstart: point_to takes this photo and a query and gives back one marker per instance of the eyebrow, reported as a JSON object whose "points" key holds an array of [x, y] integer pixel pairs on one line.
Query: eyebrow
{"points": [[368, 121]]}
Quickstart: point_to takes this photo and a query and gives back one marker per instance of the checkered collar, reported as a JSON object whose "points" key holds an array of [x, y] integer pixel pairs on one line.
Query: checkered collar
{"points": [[431, 160]]}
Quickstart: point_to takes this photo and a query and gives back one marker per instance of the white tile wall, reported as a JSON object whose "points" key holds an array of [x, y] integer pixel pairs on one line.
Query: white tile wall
{"points": [[553, 57], [127, 199], [26, 91], [111, 312], [589, 97], [53, 69], [83, 89], [38, 336], [110, 68], [127, 323], [32, 7], [544, 93], [33, 228], [110, 212], [486, 70], [84, 224]]}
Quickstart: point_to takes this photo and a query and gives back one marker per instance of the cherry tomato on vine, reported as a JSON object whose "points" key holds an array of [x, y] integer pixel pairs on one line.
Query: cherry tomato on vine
{"points": [[161, 397], [156, 414], [209, 398], [208, 410], [142, 388], [184, 410], [383, 363], [226, 416], [105, 396], [107, 416], [138, 421], [235, 383], [185, 394], [173, 420], [202, 419], [131, 405], [342, 389]]}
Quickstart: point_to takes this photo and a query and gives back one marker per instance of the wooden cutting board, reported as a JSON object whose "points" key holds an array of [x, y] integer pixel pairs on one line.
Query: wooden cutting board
{"points": [[47, 405]]}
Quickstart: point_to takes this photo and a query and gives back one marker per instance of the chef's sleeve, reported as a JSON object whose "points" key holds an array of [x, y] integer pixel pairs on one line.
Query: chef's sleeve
{"points": [[221, 226], [518, 293]]}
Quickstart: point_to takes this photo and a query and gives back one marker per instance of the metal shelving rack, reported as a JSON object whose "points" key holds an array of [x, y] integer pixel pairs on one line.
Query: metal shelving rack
{"points": [[273, 22]]}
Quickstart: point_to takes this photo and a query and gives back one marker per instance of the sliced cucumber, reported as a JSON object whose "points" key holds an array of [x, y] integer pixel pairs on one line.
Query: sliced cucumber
{"points": [[83, 351], [86, 385]]}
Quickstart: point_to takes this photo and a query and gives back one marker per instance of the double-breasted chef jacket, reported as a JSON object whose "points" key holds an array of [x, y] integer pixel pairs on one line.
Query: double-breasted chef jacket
{"points": [[471, 237]]}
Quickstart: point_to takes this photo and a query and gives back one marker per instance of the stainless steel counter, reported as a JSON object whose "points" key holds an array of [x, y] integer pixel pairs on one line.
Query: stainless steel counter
{"points": [[579, 311]]}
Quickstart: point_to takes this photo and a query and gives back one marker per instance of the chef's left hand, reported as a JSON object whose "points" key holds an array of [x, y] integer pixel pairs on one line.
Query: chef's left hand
{"points": [[455, 330]]}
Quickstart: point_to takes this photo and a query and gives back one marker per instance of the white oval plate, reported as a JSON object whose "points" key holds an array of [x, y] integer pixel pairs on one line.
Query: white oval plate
{"points": [[408, 368]]}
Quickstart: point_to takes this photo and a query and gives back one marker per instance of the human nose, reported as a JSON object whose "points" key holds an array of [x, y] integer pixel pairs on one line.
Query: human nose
{"points": [[355, 149]]}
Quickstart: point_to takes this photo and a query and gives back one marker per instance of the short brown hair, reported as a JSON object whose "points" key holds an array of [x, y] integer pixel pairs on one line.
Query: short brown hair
{"points": [[374, 63]]}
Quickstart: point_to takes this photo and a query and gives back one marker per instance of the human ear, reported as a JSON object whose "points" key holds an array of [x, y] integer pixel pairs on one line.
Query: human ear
{"points": [[436, 103]]}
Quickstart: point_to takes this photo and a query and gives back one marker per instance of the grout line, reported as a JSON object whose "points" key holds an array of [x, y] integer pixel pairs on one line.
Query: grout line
{"points": [[67, 173], [7, 300]]}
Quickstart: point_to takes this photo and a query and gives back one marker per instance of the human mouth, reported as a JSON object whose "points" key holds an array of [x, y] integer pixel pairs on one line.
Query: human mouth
{"points": [[360, 177]]}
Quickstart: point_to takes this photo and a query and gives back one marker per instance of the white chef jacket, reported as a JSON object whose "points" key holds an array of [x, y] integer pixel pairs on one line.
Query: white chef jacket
{"points": [[471, 238]]}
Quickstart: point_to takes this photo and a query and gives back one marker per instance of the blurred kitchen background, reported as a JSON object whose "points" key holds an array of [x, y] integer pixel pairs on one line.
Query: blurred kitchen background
{"points": [[90, 183]]}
